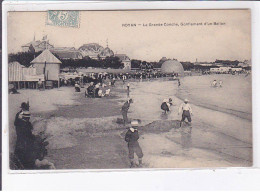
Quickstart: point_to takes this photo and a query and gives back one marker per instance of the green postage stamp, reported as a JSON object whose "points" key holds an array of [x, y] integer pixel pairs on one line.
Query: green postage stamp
{"points": [[63, 18]]}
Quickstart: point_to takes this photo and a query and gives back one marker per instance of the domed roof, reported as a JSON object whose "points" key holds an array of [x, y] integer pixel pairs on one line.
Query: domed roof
{"points": [[94, 47], [172, 66], [107, 52]]}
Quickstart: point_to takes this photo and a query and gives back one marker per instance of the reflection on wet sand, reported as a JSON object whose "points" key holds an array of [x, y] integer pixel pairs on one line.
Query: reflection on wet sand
{"points": [[186, 140]]}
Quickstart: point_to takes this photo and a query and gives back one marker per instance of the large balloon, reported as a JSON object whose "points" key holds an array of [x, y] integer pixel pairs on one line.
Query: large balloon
{"points": [[172, 66]]}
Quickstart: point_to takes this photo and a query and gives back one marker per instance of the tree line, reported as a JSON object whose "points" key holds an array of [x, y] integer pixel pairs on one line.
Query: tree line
{"points": [[25, 58]]}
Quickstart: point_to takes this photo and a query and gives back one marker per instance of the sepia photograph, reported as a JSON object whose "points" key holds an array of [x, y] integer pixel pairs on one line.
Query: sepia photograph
{"points": [[129, 89]]}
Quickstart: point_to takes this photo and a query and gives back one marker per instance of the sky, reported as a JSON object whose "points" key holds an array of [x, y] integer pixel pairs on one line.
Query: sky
{"points": [[231, 41]]}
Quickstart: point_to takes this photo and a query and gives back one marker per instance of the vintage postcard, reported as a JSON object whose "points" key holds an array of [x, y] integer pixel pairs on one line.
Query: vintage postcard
{"points": [[139, 89]]}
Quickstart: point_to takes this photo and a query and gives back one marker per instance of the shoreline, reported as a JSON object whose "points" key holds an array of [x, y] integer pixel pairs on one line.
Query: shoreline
{"points": [[239, 114], [184, 92]]}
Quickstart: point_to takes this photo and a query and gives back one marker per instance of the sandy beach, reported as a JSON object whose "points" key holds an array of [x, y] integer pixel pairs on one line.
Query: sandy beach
{"points": [[83, 133]]}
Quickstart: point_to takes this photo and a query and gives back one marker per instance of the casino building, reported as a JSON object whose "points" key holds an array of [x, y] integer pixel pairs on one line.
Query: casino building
{"points": [[95, 51], [91, 50]]}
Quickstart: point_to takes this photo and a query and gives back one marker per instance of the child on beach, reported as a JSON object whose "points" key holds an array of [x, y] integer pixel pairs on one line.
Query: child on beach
{"points": [[166, 105], [220, 83], [131, 138], [214, 83], [125, 109], [186, 111]]}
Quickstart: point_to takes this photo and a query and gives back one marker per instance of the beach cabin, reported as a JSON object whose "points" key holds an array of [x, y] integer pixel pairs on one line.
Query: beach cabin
{"points": [[214, 70], [46, 63], [23, 77], [224, 69], [236, 69]]}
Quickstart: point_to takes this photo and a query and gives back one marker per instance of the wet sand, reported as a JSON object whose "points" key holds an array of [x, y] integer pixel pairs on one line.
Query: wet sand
{"points": [[84, 134]]}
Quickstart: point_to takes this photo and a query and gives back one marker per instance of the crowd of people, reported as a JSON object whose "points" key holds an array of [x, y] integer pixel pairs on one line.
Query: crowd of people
{"points": [[101, 77]]}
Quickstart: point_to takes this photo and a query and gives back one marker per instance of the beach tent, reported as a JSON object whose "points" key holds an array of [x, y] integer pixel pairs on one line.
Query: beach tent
{"points": [[100, 70], [15, 71], [172, 66], [47, 63], [23, 77], [18, 73]]}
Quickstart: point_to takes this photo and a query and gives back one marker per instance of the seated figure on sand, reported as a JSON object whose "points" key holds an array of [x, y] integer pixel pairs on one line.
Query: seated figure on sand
{"points": [[107, 93], [77, 87], [100, 93], [96, 92], [12, 89], [113, 82], [214, 83], [165, 106], [90, 90]]}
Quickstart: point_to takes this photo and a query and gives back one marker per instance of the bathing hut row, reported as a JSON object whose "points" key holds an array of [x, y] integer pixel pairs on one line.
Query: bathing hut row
{"points": [[45, 67]]}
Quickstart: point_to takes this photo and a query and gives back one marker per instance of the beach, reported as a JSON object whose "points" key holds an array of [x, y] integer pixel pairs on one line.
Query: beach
{"points": [[83, 133]]}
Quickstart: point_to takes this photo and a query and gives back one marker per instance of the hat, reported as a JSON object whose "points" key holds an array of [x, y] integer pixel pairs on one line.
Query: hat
{"points": [[26, 114], [24, 105], [134, 123], [186, 100]]}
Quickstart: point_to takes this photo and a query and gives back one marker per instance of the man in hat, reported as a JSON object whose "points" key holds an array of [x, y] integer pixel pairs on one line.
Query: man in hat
{"points": [[186, 111], [25, 138], [131, 138], [24, 107], [125, 109]]}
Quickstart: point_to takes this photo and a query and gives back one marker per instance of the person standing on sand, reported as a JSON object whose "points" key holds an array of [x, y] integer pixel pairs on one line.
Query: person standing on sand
{"points": [[179, 83], [131, 138], [186, 111], [125, 109], [220, 83], [40, 85], [25, 138]]}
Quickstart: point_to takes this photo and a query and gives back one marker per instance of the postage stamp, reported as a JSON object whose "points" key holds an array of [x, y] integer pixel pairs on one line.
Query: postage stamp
{"points": [[63, 18]]}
